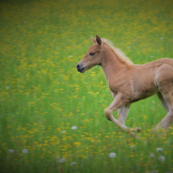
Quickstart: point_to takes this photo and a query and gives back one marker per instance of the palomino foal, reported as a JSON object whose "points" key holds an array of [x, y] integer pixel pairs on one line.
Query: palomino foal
{"points": [[129, 83]]}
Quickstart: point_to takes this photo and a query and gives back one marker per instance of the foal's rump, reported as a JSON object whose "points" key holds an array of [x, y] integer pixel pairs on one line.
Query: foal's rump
{"points": [[164, 77], [165, 69], [168, 61]]}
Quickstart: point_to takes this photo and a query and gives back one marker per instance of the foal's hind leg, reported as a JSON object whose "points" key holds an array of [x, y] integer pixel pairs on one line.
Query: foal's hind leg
{"points": [[163, 102], [164, 80], [168, 104], [168, 119]]}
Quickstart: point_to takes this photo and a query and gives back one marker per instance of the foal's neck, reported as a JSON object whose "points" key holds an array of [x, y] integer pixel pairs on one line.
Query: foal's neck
{"points": [[111, 63]]}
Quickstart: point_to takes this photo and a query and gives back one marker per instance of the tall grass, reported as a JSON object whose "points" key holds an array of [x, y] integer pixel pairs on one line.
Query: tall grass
{"points": [[51, 117]]}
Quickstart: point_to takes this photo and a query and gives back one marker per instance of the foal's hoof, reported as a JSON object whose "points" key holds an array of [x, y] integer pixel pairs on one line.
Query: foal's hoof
{"points": [[136, 129], [154, 130]]}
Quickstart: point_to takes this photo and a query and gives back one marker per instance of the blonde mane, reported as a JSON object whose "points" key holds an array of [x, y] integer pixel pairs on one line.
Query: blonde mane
{"points": [[118, 52]]}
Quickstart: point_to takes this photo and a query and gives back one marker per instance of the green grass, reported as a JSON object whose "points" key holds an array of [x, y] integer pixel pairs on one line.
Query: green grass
{"points": [[42, 96]]}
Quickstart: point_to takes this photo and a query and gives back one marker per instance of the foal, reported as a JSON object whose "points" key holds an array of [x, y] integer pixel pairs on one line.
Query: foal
{"points": [[129, 83]]}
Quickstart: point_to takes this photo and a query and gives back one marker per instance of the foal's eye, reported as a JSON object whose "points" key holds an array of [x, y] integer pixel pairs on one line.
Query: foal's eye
{"points": [[92, 54]]}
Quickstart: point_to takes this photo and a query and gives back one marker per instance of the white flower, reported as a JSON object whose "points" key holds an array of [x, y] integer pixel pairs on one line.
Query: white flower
{"points": [[25, 151], [132, 146], [153, 102], [72, 163], [162, 158], [57, 156], [74, 127], [151, 56], [11, 151], [169, 142], [161, 38], [154, 171], [70, 56], [152, 155], [63, 131], [145, 142], [7, 87], [62, 160], [112, 155], [159, 149]]}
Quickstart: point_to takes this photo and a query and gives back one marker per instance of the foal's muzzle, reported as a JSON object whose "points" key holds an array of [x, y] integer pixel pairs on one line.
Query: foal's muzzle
{"points": [[80, 68]]}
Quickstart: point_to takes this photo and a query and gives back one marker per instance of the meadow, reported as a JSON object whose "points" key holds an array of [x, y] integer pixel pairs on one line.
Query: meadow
{"points": [[52, 117]]}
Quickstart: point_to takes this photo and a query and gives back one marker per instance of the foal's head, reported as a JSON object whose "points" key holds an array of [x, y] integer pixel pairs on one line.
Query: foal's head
{"points": [[93, 57]]}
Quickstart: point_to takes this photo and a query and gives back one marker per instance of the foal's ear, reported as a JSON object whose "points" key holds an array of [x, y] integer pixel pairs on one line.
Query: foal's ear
{"points": [[93, 39], [98, 39]]}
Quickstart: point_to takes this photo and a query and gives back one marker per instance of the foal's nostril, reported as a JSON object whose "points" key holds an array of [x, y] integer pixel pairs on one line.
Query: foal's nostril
{"points": [[77, 66], [80, 68]]}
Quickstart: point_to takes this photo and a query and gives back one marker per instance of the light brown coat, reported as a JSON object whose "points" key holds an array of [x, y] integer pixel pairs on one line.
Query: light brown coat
{"points": [[129, 83]]}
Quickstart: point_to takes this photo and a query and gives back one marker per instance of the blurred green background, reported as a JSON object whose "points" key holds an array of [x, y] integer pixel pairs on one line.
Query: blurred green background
{"points": [[52, 117]]}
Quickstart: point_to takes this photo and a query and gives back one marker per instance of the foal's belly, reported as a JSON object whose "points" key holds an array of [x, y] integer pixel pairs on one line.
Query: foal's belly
{"points": [[142, 94]]}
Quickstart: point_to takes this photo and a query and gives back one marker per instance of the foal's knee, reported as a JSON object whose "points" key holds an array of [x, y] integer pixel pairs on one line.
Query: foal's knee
{"points": [[108, 113]]}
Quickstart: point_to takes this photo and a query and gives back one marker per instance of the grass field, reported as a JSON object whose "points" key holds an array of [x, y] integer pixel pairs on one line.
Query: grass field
{"points": [[52, 117]]}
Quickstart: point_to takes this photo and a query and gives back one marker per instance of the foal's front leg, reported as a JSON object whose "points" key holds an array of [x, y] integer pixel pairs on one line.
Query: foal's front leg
{"points": [[122, 113], [119, 102]]}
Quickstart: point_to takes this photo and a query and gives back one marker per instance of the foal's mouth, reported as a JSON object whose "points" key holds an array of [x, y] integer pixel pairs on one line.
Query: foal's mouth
{"points": [[80, 69]]}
